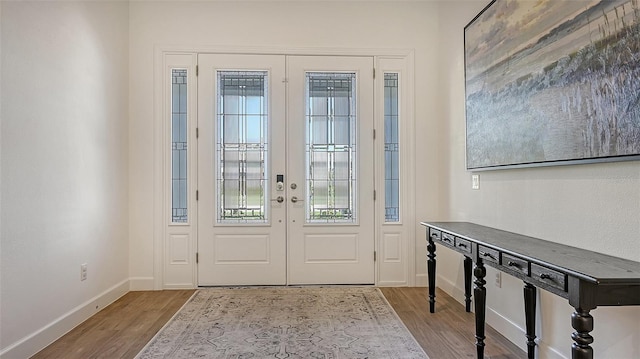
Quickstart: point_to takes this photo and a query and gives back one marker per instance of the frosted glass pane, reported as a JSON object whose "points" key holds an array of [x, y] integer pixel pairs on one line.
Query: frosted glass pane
{"points": [[319, 130], [175, 93], [254, 105], [318, 106], [231, 165], [342, 127], [331, 147], [395, 188], [254, 128], [242, 146], [341, 166], [391, 149], [342, 195], [254, 165], [182, 188], [320, 197], [254, 194], [342, 106], [179, 145], [182, 159], [319, 166], [231, 192], [231, 129], [395, 163]]}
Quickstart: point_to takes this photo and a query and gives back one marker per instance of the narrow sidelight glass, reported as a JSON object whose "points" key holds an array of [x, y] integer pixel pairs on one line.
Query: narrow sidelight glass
{"points": [[179, 198], [391, 149]]}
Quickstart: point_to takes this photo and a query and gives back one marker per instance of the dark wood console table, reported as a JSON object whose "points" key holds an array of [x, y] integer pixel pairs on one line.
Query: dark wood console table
{"points": [[587, 279]]}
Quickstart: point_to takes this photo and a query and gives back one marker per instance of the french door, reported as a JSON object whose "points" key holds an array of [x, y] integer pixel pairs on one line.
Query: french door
{"points": [[285, 170]]}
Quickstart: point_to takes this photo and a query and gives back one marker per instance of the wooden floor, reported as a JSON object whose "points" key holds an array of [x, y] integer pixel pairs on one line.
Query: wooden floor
{"points": [[122, 329], [449, 333]]}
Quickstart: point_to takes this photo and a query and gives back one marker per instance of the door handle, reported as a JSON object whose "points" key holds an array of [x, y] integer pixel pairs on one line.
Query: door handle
{"points": [[278, 199], [295, 199]]}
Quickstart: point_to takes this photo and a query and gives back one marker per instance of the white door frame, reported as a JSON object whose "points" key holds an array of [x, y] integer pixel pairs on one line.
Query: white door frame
{"points": [[171, 274]]}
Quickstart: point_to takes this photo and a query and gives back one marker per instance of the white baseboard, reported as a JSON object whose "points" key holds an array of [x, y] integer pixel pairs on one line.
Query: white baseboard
{"points": [[451, 289], [510, 330], [33, 343], [391, 283], [549, 352], [516, 334], [141, 283], [422, 280], [173, 286]]}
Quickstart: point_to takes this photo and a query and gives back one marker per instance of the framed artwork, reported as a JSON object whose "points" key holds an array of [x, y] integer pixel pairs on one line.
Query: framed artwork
{"points": [[552, 82]]}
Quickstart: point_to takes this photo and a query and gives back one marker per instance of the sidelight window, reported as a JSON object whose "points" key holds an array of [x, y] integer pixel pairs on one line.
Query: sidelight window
{"points": [[391, 149], [179, 146]]}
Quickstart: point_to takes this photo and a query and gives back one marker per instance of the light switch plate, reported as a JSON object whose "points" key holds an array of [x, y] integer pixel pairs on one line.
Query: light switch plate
{"points": [[475, 181]]}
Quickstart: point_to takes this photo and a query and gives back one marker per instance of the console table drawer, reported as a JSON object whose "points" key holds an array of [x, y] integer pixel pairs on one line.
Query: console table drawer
{"points": [[513, 263], [463, 245], [448, 239], [548, 276], [488, 254], [434, 234]]}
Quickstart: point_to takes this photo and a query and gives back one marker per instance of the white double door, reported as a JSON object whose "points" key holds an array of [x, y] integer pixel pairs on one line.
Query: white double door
{"points": [[285, 170]]}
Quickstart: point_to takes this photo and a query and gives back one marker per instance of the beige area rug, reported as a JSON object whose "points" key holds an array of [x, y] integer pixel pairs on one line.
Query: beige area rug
{"points": [[285, 322]]}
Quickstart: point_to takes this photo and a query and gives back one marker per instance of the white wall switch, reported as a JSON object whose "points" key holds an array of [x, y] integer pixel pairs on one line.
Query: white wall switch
{"points": [[83, 272], [475, 181]]}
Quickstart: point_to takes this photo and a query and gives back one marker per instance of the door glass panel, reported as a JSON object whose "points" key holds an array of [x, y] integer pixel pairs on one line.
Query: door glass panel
{"points": [[241, 146], [178, 145], [330, 147], [391, 152]]}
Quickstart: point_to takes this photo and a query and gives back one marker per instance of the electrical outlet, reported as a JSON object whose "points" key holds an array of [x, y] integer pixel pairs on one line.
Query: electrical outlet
{"points": [[499, 279], [475, 181], [83, 272]]}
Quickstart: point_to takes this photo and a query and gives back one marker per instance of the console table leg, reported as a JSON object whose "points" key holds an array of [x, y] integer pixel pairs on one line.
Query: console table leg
{"points": [[530, 318], [431, 272], [582, 322], [467, 283], [479, 299]]}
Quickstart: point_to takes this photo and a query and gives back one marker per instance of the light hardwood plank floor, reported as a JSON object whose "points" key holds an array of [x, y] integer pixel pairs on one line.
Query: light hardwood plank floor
{"points": [[123, 328], [449, 333]]}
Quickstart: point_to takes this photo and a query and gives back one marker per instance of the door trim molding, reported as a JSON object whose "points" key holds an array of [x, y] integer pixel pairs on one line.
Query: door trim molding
{"points": [[160, 200]]}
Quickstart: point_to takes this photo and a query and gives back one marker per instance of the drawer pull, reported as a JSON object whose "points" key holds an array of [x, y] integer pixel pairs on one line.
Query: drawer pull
{"points": [[489, 255], [445, 239], [545, 276], [513, 264], [462, 245]]}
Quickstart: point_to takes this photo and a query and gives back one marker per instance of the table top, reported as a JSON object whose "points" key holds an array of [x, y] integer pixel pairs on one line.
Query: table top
{"points": [[587, 265]]}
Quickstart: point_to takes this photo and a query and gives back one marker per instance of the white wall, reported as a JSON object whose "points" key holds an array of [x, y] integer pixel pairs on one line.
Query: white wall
{"points": [[593, 206], [270, 25], [64, 166], [77, 155]]}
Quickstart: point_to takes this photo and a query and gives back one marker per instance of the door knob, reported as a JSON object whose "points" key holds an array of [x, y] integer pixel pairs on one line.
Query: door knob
{"points": [[279, 199], [295, 199]]}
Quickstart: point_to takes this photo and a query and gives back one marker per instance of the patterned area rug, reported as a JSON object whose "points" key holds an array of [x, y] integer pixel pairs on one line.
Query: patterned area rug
{"points": [[285, 322]]}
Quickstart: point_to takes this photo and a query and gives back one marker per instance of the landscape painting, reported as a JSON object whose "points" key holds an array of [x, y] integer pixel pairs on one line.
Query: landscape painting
{"points": [[552, 82]]}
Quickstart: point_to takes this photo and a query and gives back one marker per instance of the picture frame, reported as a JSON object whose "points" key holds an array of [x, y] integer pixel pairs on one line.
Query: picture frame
{"points": [[552, 83]]}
